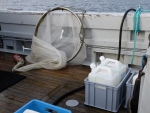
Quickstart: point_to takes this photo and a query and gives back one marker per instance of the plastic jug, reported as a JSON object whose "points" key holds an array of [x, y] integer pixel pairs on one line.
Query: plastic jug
{"points": [[104, 75], [113, 64], [93, 67]]}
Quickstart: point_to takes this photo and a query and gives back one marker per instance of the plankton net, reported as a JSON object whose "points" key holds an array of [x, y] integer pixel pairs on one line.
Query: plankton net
{"points": [[58, 39]]}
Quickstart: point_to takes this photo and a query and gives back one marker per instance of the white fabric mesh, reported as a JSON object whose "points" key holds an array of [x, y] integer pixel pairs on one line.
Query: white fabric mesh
{"points": [[61, 31], [56, 42]]}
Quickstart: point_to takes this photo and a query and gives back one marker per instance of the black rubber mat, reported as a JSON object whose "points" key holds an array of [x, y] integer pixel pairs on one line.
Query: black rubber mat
{"points": [[8, 79]]}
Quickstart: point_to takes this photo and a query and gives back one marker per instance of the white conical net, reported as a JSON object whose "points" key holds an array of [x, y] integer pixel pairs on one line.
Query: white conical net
{"points": [[56, 41]]}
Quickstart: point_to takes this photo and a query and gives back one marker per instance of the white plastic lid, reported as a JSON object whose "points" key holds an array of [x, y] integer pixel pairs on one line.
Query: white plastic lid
{"points": [[102, 58], [93, 65], [72, 103]]}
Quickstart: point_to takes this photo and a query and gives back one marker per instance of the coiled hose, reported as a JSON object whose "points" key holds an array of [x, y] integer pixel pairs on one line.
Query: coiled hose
{"points": [[67, 94]]}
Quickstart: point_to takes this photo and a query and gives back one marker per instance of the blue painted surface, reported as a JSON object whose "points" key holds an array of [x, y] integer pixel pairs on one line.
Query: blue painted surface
{"points": [[41, 107]]}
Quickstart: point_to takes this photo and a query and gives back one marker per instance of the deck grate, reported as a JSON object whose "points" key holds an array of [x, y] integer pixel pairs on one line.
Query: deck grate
{"points": [[8, 79]]}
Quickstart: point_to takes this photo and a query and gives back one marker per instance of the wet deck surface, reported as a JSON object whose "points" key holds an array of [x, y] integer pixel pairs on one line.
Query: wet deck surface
{"points": [[46, 85]]}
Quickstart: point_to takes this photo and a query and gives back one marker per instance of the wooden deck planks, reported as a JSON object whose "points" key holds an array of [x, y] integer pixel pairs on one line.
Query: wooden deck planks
{"points": [[46, 85]]}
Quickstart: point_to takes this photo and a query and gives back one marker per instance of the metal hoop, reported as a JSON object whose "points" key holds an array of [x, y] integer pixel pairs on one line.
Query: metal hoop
{"points": [[81, 29]]}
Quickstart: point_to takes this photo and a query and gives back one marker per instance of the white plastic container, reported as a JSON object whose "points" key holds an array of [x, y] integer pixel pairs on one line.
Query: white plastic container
{"points": [[113, 64], [106, 97], [104, 75], [93, 67], [30, 111]]}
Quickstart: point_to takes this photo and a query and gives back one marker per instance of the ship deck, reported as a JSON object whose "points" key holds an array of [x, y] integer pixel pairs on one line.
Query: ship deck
{"points": [[46, 85]]}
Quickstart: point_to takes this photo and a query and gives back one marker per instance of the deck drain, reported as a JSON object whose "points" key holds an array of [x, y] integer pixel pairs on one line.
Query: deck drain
{"points": [[72, 103], [8, 79]]}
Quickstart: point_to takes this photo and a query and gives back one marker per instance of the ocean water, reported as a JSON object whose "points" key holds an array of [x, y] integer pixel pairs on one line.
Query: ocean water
{"points": [[88, 5]]}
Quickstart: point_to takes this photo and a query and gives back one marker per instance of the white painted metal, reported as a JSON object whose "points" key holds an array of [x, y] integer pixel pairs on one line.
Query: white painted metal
{"points": [[101, 33], [144, 98]]}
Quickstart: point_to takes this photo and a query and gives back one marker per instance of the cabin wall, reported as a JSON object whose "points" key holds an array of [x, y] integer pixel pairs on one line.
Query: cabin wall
{"points": [[101, 32]]}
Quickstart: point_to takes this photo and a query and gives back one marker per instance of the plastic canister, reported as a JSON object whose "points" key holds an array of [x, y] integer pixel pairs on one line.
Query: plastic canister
{"points": [[104, 75], [113, 64], [93, 70], [93, 67]]}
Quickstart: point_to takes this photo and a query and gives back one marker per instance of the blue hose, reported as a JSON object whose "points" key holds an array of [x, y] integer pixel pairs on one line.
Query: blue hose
{"points": [[144, 61]]}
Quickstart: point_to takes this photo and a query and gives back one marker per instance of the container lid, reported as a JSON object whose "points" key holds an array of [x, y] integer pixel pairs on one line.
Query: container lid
{"points": [[92, 65], [72, 103], [102, 58]]}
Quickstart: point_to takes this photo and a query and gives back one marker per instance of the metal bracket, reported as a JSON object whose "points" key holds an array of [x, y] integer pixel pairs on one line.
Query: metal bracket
{"points": [[24, 48]]}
